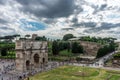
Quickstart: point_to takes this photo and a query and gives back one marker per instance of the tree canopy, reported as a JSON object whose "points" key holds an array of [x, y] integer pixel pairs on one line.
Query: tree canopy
{"points": [[77, 48], [105, 50], [55, 48], [39, 38], [100, 40], [68, 36], [3, 51]]}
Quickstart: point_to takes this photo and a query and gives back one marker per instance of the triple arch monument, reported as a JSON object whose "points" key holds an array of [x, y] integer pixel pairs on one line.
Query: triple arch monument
{"points": [[31, 54]]}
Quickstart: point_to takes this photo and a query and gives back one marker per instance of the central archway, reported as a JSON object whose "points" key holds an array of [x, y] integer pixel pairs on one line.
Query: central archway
{"points": [[27, 65], [36, 58]]}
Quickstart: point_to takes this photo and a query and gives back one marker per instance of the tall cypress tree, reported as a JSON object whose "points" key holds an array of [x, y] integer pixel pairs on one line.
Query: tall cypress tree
{"points": [[4, 52], [55, 48]]}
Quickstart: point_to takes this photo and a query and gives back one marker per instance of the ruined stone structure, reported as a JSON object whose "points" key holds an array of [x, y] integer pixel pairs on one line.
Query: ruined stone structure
{"points": [[31, 55], [118, 48], [90, 48]]}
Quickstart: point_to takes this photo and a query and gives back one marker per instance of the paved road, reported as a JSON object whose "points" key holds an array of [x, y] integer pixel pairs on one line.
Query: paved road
{"points": [[101, 61]]}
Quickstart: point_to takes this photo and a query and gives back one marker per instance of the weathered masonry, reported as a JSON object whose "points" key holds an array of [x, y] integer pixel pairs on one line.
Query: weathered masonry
{"points": [[31, 55]]}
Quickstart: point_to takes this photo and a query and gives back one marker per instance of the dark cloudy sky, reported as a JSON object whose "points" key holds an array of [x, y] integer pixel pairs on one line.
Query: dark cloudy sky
{"points": [[54, 18]]}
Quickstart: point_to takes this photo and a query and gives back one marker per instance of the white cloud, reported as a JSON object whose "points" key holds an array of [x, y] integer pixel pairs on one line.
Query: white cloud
{"points": [[97, 11]]}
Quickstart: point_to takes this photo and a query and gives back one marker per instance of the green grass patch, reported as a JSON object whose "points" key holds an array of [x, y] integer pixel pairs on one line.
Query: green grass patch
{"points": [[65, 53], [58, 58], [76, 73]]}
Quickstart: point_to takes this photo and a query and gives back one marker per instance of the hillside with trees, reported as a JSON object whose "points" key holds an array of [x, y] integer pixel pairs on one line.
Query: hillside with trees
{"points": [[106, 49], [74, 47], [100, 40]]}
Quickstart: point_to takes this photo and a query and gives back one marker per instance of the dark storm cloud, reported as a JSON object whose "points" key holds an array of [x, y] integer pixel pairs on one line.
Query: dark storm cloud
{"points": [[115, 32], [1, 1], [74, 20], [49, 21], [99, 8], [48, 8], [109, 25], [83, 24], [104, 26], [102, 7], [6, 28], [67, 29], [2, 21]]}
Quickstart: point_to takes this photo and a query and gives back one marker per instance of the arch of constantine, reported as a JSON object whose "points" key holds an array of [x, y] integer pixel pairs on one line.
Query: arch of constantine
{"points": [[31, 55]]}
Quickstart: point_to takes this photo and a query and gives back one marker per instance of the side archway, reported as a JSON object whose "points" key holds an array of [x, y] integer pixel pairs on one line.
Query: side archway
{"points": [[36, 58], [27, 65], [43, 60]]}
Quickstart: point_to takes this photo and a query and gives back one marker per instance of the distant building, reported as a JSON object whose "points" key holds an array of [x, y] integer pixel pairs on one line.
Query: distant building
{"points": [[31, 55], [34, 36]]}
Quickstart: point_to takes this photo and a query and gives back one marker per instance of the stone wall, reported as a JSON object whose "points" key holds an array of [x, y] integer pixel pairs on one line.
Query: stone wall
{"points": [[90, 48]]}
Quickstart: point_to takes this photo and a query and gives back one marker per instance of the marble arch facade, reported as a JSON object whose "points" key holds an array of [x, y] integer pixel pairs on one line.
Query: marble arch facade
{"points": [[30, 54]]}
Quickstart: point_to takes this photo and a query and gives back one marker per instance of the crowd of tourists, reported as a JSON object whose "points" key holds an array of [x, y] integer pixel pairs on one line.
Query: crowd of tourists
{"points": [[8, 72], [6, 65]]}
